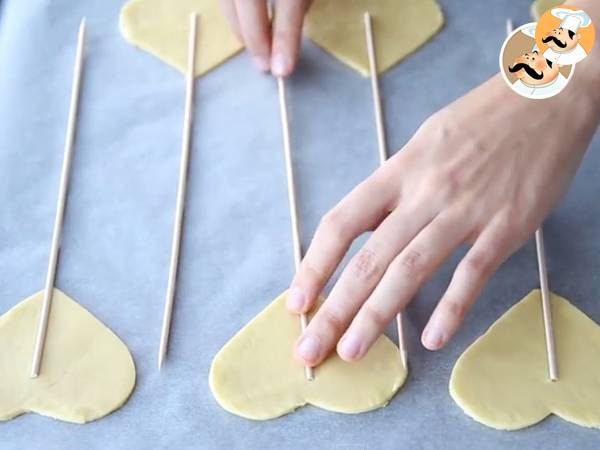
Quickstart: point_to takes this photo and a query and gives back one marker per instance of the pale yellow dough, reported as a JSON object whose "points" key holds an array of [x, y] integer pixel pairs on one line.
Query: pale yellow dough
{"points": [[86, 373], [399, 28], [501, 380], [255, 376], [161, 28]]}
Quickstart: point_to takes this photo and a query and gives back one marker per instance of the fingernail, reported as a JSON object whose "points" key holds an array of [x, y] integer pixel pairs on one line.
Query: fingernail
{"points": [[279, 65], [434, 338], [295, 300], [262, 63], [350, 347], [308, 348]]}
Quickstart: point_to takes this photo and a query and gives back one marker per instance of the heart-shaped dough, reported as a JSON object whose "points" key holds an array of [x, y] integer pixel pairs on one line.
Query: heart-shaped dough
{"points": [[399, 28], [255, 376], [86, 373], [161, 28], [501, 380]]}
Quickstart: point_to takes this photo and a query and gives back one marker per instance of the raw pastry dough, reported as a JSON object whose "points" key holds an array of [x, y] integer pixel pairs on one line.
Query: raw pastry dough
{"points": [[501, 380], [87, 372], [161, 28], [399, 27], [255, 376]]}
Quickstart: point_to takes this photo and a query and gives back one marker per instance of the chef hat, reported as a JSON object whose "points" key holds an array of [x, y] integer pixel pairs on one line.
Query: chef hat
{"points": [[572, 20], [529, 30]]}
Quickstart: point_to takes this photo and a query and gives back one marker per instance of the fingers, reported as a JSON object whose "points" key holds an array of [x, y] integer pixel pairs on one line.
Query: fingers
{"points": [[359, 211], [253, 19], [230, 12], [357, 281], [287, 34], [402, 279], [489, 251], [249, 20]]}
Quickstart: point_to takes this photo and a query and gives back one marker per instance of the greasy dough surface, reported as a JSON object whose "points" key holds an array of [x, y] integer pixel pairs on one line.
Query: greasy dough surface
{"points": [[399, 28], [86, 373], [255, 376], [501, 380], [161, 28]]}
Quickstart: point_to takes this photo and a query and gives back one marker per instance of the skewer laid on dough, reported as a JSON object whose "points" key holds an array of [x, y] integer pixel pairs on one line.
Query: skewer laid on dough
{"points": [[289, 169], [181, 190], [543, 274], [382, 147], [60, 207]]}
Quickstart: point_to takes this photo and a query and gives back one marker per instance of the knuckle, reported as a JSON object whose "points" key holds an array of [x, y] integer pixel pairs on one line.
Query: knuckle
{"points": [[520, 215], [437, 124], [440, 128], [364, 265], [314, 275], [335, 225], [374, 316], [332, 320], [410, 264], [506, 222], [455, 309], [480, 264]]}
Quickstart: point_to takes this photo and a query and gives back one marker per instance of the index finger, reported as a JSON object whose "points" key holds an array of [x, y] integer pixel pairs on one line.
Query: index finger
{"points": [[255, 28], [287, 34], [361, 210]]}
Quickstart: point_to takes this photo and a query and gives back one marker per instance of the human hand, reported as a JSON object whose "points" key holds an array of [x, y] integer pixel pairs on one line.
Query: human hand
{"points": [[485, 170], [274, 47]]}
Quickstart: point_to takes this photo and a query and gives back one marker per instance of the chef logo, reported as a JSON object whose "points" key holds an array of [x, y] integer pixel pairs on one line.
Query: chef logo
{"points": [[538, 59], [565, 35]]}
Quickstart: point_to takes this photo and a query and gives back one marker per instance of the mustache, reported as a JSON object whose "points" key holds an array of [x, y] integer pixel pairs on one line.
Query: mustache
{"points": [[530, 70], [555, 40]]}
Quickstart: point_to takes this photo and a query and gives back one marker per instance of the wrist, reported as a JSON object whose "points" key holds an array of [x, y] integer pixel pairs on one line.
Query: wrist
{"points": [[587, 72]]}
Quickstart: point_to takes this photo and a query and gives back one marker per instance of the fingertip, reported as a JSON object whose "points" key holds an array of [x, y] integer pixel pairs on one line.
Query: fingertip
{"points": [[351, 348], [262, 63], [296, 300], [281, 65], [433, 339], [308, 349]]}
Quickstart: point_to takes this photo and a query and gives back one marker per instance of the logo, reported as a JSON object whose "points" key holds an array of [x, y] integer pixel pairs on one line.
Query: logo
{"points": [[538, 59]]}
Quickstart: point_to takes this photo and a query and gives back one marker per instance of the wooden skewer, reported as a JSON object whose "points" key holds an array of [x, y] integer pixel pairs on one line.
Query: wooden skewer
{"points": [[543, 274], [181, 190], [289, 169], [546, 307], [60, 207], [382, 144], [509, 26], [382, 147]]}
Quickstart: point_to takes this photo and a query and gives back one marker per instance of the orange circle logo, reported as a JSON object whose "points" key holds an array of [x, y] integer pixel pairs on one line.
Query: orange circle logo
{"points": [[565, 35]]}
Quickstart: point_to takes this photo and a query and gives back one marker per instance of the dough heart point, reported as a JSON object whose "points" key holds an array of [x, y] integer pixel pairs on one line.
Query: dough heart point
{"points": [[399, 29], [501, 380], [161, 28], [87, 372], [255, 375]]}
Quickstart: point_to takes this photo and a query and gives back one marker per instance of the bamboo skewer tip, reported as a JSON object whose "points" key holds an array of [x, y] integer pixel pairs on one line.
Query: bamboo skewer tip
{"points": [[509, 26], [181, 191]]}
